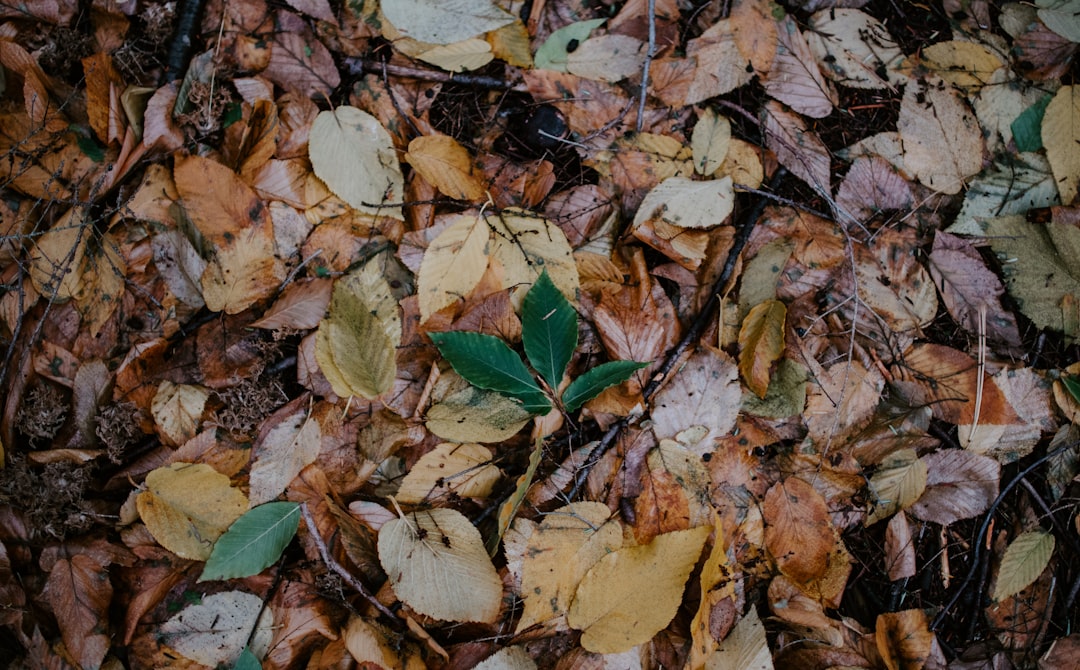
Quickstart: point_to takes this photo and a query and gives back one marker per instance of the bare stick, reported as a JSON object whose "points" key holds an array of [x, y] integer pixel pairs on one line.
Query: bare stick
{"points": [[349, 578], [361, 65], [645, 70]]}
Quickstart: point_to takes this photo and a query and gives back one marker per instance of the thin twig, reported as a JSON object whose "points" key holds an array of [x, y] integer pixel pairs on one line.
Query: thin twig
{"points": [[361, 65], [649, 55], [701, 321], [331, 563], [978, 540]]}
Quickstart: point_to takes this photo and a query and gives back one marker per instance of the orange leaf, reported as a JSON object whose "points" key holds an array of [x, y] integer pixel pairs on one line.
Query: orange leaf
{"points": [[797, 529], [761, 343], [447, 165], [903, 639]]}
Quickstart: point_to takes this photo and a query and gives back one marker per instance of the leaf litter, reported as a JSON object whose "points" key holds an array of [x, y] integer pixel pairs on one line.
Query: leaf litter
{"points": [[619, 331]]}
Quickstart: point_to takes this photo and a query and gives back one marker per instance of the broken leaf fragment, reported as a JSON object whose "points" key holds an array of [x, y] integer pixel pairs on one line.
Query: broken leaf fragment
{"points": [[188, 506], [357, 342], [438, 566], [631, 594]]}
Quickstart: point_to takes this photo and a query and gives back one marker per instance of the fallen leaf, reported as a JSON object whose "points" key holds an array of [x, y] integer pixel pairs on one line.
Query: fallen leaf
{"points": [[356, 342], [354, 155], [253, 542], [746, 648], [447, 165], [684, 203], [609, 58], [441, 22], [900, 562], [794, 77], [447, 471], [178, 411], [288, 442], [631, 594], [453, 264], [438, 566], [798, 148], [1024, 560], [463, 56], [218, 629], [943, 144], [959, 485], [897, 484], [558, 554], [508, 658], [79, 592], [904, 639], [798, 533], [1061, 137], [188, 506], [301, 306], [369, 642], [852, 48], [704, 393], [761, 344]]}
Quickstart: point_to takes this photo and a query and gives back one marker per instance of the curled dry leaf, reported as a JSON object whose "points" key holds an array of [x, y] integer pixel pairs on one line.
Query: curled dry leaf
{"points": [[438, 566]]}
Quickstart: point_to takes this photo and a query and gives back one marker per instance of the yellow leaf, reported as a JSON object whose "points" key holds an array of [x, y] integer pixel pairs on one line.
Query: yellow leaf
{"points": [[559, 552], [370, 643], [177, 410], [56, 258], [438, 566], [967, 65], [897, 484], [452, 265], [354, 155], [526, 245], [470, 414], [685, 203], [745, 648], [710, 140], [761, 343], [1061, 137], [356, 343], [101, 283], [511, 44], [632, 594], [187, 506], [743, 164], [471, 54], [717, 583], [446, 165], [461, 469]]}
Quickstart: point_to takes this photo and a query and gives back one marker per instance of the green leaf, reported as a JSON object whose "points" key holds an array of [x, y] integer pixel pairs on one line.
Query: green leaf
{"points": [[1023, 562], [589, 385], [247, 661], [1027, 128], [253, 542], [552, 54], [485, 361], [1072, 385], [548, 329]]}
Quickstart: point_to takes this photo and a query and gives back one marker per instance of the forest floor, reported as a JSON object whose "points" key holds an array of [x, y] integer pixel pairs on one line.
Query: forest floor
{"points": [[547, 334]]}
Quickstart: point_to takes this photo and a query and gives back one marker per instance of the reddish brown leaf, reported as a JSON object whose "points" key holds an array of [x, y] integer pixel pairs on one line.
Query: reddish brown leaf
{"points": [[79, 592], [904, 640], [959, 485], [797, 529]]}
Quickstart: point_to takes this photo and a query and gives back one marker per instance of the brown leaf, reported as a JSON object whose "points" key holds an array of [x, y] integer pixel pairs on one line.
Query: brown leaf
{"points": [[705, 392], [904, 639], [299, 62], [899, 548], [79, 592], [971, 291], [447, 165], [794, 77], [798, 148], [797, 529], [949, 381], [301, 306], [761, 344], [959, 485]]}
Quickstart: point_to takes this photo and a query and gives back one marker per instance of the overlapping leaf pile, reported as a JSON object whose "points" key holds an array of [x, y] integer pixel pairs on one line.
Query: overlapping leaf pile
{"points": [[450, 336]]}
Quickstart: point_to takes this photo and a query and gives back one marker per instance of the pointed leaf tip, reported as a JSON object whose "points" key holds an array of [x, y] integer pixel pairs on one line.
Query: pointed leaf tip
{"points": [[549, 329], [487, 362]]}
